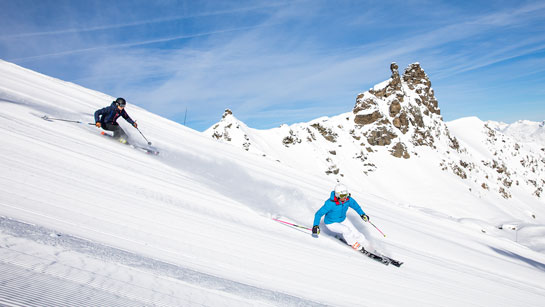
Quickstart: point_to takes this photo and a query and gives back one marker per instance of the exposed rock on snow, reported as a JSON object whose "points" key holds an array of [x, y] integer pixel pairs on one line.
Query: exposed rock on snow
{"points": [[401, 117], [401, 106], [230, 126]]}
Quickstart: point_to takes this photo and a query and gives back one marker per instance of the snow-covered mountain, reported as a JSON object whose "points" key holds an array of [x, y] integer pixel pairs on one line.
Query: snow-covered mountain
{"points": [[395, 144], [522, 131], [86, 221]]}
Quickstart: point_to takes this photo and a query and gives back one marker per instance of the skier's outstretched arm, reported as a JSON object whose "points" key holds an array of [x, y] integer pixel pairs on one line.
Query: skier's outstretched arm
{"points": [[129, 119], [354, 205]]}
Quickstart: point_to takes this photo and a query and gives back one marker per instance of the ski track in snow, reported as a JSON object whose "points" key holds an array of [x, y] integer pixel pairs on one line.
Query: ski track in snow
{"points": [[29, 273]]}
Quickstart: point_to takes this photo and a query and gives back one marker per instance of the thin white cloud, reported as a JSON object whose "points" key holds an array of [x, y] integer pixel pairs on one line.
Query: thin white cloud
{"points": [[138, 23], [135, 43], [513, 16]]}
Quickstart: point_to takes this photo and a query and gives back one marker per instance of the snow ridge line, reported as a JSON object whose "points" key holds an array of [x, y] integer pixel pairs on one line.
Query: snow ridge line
{"points": [[50, 237]]}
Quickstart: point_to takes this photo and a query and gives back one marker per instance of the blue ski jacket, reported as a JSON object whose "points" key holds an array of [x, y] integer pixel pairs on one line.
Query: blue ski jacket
{"points": [[335, 210], [110, 114]]}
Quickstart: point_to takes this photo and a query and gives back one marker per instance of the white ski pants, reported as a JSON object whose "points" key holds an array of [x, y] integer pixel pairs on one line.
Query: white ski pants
{"points": [[350, 234]]}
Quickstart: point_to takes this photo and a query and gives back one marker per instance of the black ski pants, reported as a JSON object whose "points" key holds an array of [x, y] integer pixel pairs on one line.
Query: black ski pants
{"points": [[119, 133]]}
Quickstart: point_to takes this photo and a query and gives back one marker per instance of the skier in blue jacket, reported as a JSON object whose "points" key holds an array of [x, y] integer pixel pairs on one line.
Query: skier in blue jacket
{"points": [[334, 210], [106, 118]]}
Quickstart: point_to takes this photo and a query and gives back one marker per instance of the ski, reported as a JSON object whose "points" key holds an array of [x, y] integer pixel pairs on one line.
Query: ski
{"points": [[149, 150], [377, 257], [385, 259], [392, 261]]}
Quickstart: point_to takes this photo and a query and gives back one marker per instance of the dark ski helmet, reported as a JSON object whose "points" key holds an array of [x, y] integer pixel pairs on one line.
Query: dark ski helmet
{"points": [[120, 102]]}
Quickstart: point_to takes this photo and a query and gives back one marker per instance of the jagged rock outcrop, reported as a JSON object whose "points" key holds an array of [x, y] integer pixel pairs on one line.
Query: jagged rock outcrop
{"points": [[381, 136], [399, 117], [400, 151], [366, 119], [227, 113], [417, 80], [230, 129], [403, 107]]}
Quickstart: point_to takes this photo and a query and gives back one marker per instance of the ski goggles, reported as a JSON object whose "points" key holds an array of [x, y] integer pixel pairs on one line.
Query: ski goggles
{"points": [[343, 195]]}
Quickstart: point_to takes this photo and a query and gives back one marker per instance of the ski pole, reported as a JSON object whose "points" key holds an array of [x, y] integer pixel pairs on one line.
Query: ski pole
{"points": [[377, 228], [64, 120], [149, 143], [298, 226]]}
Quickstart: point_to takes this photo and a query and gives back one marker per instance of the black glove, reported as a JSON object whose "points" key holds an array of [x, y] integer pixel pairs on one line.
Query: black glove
{"points": [[316, 230], [365, 217]]}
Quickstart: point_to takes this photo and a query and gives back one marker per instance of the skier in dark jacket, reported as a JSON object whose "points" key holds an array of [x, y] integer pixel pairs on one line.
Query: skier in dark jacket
{"points": [[106, 118]]}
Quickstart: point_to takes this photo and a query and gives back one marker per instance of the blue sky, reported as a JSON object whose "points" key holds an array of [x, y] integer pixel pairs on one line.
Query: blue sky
{"points": [[275, 62]]}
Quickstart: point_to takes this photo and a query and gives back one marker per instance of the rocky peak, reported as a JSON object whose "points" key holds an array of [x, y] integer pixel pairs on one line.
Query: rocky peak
{"points": [[417, 80], [395, 75], [415, 75], [403, 108], [226, 113], [389, 87], [230, 129]]}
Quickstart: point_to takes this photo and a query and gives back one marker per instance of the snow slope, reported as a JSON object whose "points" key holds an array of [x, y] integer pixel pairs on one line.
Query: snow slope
{"points": [[395, 145], [88, 221]]}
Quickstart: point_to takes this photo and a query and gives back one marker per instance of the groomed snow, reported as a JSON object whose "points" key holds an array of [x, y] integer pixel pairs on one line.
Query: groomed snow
{"points": [[111, 225]]}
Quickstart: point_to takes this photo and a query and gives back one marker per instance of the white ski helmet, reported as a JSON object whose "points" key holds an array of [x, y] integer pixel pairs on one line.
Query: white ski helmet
{"points": [[340, 189]]}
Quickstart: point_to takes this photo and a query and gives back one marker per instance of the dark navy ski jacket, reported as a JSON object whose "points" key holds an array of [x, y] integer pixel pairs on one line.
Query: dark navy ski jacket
{"points": [[110, 114], [335, 210]]}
